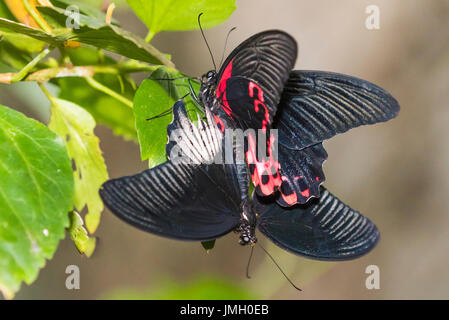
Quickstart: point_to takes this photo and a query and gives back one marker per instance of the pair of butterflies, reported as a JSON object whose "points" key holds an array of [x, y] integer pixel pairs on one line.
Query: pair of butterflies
{"points": [[257, 89]]}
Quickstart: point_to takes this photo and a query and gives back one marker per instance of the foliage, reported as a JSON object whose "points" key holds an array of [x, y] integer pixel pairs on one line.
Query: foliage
{"points": [[36, 192], [52, 173], [199, 288], [76, 125], [159, 15], [155, 96]]}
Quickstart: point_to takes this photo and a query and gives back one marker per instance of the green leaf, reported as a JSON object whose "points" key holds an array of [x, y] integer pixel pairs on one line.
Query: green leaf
{"points": [[120, 41], [79, 235], [4, 11], [105, 109], [57, 39], [171, 15], [89, 7], [77, 126], [208, 245], [16, 49], [109, 37], [59, 19], [153, 97], [36, 193], [85, 8], [23, 42], [12, 56]]}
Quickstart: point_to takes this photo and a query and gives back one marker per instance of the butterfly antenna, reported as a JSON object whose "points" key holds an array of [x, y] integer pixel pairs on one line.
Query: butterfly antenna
{"points": [[205, 40], [280, 269], [249, 262], [170, 79], [184, 96], [226, 43], [160, 115]]}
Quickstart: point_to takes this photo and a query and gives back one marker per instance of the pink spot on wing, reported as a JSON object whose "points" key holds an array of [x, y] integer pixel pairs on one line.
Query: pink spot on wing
{"points": [[263, 167], [305, 193], [259, 101], [221, 89], [290, 199]]}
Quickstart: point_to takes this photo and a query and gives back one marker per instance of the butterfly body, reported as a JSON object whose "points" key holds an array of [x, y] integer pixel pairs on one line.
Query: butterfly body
{"points": [[208, 87]]}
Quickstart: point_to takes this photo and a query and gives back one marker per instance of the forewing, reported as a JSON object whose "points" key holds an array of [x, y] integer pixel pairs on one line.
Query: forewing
{"points": [[323, 229], [252, 78], [317, 105], [189, 143], [177, 201], [187, 198]]}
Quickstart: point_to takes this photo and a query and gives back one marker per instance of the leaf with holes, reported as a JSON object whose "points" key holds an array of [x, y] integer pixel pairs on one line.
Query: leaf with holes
{"points": [[76, 125], [79, 235], [36, 194]]}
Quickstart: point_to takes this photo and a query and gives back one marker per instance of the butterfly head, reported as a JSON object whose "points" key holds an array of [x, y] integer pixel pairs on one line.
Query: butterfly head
{"points": [[208, 85], [209, 76]]}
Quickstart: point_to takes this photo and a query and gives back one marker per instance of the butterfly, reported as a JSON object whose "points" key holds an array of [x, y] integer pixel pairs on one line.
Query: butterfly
{"points": [[256, 88], [206, 197], [197, 196]]}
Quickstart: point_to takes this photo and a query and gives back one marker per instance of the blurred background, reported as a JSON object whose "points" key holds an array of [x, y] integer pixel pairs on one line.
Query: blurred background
{"points": [[395, 173]]}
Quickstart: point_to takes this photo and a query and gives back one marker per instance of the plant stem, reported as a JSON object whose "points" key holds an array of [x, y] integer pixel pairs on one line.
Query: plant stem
{"points": [[42, 24], [45, 91], [150, 36], [47, 74], [97, 85], [22, 73]]}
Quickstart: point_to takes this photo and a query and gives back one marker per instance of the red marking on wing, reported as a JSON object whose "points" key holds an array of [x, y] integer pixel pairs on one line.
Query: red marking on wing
{"points": [[290, 199], [317, 178], [259, 102], [263, 167], [219, 123], [305, 193], [221, 89]]}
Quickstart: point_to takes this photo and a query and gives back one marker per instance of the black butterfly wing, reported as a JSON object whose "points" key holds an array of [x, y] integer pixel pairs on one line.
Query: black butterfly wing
{"points": [[252, 78], [301, 173], [192, 144], [175, 201], [317, 105], [322, 229], [184, 198]]}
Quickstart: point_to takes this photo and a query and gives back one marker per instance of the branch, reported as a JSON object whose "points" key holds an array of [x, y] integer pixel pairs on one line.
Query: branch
{"points": [[97, 85], [22, 73], [47, 74]]}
